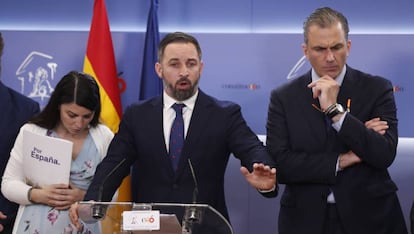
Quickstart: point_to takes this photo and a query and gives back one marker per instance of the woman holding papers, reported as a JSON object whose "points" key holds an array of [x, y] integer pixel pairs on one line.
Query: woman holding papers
{"points": [[72, 114]]}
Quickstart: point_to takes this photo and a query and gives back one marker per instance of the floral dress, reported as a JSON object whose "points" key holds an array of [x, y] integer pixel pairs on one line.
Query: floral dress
{"points": [[39, 218]]}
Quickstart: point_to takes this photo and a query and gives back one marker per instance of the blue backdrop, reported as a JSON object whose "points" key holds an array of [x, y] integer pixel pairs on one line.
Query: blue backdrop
{"points": [[249, 47]]}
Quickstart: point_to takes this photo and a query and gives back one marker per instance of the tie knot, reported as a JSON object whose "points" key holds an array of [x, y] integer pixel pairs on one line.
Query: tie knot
{"points": [[178, 107]]}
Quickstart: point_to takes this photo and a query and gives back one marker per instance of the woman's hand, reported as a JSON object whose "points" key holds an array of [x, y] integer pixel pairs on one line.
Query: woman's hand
{"points": [[59, 196]]}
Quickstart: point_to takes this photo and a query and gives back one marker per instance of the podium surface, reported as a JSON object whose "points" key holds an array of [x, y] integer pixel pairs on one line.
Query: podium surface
{"points": [[174, 218]]}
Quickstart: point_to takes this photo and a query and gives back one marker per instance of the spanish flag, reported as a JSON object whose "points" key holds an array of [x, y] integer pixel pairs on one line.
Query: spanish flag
{"points": [[100, 63]]}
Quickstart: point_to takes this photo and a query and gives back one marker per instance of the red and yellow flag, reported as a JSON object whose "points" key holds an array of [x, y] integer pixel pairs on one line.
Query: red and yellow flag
{"points": [[100, 63]]}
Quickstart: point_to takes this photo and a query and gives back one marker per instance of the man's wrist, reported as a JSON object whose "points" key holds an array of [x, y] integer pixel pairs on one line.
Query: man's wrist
{"points": [[334, 110], [267, 190]]}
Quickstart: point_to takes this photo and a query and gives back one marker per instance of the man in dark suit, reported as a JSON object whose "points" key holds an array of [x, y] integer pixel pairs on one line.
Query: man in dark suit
{"points": [[16, 109], [213, 129], [334, 162]]}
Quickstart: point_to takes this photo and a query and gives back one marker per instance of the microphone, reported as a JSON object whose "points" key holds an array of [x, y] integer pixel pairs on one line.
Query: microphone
{"points": [[195, 191], [99, 211], [192, 213]]}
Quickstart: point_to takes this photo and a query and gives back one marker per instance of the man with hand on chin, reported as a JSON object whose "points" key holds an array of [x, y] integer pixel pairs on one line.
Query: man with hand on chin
{"points": [[333, 134]]}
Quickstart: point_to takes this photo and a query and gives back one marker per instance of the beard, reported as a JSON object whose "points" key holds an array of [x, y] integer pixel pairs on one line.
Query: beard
{"points": [[179, 94]]}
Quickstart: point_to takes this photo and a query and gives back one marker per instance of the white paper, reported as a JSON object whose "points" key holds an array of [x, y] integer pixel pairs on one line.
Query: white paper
{"points": [[46, 160]]}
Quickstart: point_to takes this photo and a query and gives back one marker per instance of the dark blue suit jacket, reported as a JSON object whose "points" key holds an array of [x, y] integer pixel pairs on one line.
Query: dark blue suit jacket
{"points": [[306, 157], [16, 109], [216, 130]]}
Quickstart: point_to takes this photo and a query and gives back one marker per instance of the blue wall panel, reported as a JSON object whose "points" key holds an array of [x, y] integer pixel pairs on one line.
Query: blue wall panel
{"points": [[249, 47]]}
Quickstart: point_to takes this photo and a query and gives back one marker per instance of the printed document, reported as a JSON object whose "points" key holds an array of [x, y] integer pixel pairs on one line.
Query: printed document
{"points": [[47, 160]]}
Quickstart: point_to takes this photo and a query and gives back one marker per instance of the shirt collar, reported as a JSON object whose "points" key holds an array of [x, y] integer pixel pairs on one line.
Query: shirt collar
{"points": [[189, 103]]}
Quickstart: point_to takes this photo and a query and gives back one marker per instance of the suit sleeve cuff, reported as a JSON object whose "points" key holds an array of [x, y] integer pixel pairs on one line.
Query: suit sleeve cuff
{"points": [[268, 190]]}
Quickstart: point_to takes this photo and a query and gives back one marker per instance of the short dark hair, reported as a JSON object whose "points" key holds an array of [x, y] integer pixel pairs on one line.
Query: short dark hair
{"points": [[75, 87], [177, 37], [325, 17]]}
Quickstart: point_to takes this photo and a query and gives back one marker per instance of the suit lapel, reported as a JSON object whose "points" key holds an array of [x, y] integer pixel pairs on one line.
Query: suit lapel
{"points": [[199, 118], [347, 90], [159, 143]]}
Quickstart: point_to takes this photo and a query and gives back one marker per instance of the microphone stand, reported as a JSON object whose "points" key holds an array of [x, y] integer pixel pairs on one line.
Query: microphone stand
{"points": [[99, 210], [192, 213]]}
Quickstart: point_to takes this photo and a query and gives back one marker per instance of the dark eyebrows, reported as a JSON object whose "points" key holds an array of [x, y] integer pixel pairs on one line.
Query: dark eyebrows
{"points": [[338, 46], [192, 60], [73, 114], [335, 47], [173, 60], [188, 60]]}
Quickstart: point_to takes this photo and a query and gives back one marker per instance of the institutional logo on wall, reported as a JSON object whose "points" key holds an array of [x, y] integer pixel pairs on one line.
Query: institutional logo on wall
{"points": [[250, 86], [36, 74], [301, 66]]}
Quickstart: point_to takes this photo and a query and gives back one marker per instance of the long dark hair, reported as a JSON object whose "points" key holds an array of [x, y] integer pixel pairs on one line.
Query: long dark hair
{"points": [[75, 87]]}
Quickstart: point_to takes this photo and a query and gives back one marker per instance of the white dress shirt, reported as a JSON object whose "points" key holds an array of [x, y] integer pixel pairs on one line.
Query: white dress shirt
{"points": [[169, 114]]}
